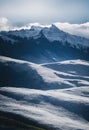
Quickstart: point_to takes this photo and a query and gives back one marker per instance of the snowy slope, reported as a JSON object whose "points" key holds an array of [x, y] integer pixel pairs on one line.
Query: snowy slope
{"points": [[61, 97], [60, 109], [76, 67], [22, 73], [55, 34]]}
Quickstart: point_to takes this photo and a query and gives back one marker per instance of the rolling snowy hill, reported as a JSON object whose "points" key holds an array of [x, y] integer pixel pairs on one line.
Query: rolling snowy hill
{"points": [[55, 94]]}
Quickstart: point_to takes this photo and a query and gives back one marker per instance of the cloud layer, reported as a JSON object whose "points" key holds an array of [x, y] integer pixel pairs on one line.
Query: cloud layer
{"points": [[75, 29], [4, 25]]}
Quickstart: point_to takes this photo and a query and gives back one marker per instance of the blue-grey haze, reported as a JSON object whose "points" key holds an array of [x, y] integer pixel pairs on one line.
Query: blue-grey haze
{"points": [[45, 11]]}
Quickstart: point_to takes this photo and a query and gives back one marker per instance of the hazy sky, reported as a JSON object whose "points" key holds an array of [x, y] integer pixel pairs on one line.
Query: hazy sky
{"points": [[45, 11]]}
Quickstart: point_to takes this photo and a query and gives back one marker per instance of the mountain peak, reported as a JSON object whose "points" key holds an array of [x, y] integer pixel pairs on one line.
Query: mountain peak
{"points": [[55, 29], [37, 28], [53, 33], [53, 26]]}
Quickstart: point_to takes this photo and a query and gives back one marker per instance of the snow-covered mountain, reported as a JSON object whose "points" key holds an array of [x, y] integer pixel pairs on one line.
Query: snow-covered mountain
{"points": [[43, 44], [44, 79], [52, 33], [55, 34]]}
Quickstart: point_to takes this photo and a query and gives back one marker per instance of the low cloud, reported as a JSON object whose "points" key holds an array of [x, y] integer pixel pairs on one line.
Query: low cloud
{"points": [[75, 29], [4, 25]]}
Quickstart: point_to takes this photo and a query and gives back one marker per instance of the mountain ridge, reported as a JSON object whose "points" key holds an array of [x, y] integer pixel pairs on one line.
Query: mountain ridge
{"points": [[52, 33]]}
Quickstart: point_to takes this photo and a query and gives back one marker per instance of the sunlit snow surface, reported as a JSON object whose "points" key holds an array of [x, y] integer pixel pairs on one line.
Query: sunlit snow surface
{"points": [[64, 108]]}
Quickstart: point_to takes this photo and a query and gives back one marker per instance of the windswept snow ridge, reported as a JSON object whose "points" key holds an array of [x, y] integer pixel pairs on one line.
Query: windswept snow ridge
{"points": [[27, 72], [53, 94], [61, 109]]}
